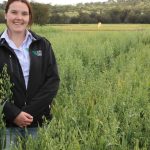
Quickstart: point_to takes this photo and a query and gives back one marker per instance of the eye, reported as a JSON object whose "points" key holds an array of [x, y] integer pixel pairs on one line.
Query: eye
{"points": [[14, 12], [25, 13]]}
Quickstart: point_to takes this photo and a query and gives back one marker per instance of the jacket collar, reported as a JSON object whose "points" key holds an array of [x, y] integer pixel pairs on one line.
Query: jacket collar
{"points": [[35, 37]]}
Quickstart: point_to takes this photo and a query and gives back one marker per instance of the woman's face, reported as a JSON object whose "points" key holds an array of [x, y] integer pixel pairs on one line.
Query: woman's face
{"points": [[17, 17]]}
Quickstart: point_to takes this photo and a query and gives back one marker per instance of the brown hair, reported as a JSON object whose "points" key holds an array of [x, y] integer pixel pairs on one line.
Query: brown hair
{"points": [[28, 5]]}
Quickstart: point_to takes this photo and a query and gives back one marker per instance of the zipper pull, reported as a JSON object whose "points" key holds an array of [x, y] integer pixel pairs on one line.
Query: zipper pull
{"points": [[11, 65]]}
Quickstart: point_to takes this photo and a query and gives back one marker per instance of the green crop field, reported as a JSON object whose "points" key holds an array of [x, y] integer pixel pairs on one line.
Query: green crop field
{"points": [[104, 98], [103, 27]]}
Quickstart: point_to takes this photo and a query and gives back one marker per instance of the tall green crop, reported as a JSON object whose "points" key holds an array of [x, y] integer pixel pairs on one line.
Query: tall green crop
{"points": [[104, 98], [5, 95]]}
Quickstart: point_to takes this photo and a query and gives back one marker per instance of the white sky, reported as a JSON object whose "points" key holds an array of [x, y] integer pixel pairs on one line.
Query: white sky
{"points": [[64, 2]]}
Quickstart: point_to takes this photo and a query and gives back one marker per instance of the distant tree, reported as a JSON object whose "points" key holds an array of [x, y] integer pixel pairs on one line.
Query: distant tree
{"points": [[105, 18], [115, 15], [132, 17], [112, 11], [40, 13], [111, 1], [94, 17], [65, 19], [84, 17], [124, 14], [59, 19], [2, 5], [75, 20], [2, 19], [55, 18]]}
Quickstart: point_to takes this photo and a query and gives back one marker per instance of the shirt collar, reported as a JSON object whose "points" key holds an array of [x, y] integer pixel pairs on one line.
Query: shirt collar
{"points": [[6, 37], [28, 35]]}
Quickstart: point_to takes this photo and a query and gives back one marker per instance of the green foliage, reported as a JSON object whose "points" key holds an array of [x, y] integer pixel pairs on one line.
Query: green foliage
{"points": [[2, 19], [123, 11], [103, 102], [40, 13], [5, 86], [112, 11], [5, 95]]}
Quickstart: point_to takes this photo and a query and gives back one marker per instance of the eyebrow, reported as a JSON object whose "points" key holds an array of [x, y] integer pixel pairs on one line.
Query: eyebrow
{"points": [[19, 10]]}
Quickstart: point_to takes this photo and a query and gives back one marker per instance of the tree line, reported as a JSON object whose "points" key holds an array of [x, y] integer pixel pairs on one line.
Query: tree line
{"points": [[113, 11]]}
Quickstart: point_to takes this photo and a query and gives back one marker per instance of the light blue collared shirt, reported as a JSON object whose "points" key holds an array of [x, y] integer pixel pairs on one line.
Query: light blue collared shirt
{"points": [[22, 52]]}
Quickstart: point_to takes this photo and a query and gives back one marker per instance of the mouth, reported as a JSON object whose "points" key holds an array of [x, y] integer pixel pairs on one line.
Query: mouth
{"points": [[18, 23]]}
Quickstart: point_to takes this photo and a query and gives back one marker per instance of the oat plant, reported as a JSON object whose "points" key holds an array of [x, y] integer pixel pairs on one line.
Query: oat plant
{"points": [[5, 95]]}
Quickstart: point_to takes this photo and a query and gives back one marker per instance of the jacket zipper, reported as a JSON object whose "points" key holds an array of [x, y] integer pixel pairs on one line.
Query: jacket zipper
{"points": [[11, 65], [12, 70]]}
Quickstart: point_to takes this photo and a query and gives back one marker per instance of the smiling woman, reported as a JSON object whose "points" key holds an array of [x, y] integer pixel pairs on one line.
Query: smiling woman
{"points": [[33, 71], [18, 16]]}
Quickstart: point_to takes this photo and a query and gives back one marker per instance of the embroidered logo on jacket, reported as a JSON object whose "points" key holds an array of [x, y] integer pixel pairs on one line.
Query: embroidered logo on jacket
{"points": [[37, 53]]}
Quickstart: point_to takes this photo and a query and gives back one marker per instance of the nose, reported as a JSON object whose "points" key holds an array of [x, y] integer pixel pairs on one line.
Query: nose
{"points": [[18, 16]]}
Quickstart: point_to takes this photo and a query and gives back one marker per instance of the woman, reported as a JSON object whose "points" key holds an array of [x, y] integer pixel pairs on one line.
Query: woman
{"points": [[32, 68]]}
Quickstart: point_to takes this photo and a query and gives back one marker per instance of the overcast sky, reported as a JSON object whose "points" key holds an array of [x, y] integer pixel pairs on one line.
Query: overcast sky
{"points": [[53, 2]]}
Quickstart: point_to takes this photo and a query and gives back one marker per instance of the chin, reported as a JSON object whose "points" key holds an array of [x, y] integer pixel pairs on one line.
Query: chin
{"points": [[19, 30]]}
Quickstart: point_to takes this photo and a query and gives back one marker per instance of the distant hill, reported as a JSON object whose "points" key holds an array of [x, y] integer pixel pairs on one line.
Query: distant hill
{"points": [[122, 11]]}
